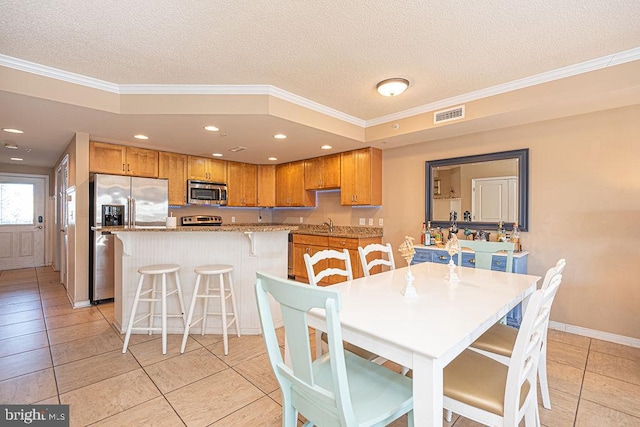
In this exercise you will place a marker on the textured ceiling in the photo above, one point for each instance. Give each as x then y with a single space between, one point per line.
331 52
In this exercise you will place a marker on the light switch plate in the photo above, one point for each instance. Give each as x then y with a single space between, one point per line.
380 222
361 221
301 220
370 221
233 219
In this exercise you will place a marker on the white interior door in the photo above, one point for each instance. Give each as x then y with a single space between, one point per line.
22 221
62 182
494 199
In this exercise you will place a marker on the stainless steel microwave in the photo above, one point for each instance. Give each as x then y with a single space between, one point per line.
206 193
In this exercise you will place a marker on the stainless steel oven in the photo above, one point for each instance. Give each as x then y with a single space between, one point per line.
206 193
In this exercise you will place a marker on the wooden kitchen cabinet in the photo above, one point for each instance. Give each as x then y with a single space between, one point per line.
173 166
290 191
361 177
266 186
206 169
322 173
122 160
242 184
304 243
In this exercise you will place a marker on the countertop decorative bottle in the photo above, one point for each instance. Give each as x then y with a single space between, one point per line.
423 234
515 238
431 233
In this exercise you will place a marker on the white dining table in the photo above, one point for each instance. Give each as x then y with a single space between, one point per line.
427 332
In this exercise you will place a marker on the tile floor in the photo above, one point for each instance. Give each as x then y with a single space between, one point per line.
51 353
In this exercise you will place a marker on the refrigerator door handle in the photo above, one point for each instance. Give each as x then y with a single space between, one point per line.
133 212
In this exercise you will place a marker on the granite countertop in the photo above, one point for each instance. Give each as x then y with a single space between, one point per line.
221 228
339 231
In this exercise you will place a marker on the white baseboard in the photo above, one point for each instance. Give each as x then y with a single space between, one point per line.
592 333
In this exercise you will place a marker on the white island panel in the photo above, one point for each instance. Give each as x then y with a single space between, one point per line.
247 252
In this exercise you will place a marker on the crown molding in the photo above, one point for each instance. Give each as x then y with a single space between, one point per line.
557 74
54 73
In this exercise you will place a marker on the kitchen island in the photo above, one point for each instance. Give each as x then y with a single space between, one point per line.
248 248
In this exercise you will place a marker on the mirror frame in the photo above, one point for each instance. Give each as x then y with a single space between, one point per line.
523 187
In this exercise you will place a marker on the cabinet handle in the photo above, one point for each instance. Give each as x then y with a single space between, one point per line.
307 250
442 257
343 243
472 261
123 167
128 167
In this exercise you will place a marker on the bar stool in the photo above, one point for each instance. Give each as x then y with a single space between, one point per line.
153 295
213 291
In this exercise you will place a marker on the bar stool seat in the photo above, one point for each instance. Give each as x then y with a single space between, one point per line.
213 291
153 295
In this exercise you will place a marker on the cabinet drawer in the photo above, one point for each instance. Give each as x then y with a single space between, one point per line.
442 257
343 243
308 239
421 256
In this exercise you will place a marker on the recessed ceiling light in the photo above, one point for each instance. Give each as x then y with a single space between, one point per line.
217 154
17 159
140 136
392 87
280 136
211 128
10 146
273 159
12 130
326 147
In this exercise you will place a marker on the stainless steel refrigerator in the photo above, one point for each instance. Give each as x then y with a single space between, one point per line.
119 201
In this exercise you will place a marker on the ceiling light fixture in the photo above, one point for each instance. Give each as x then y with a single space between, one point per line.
273 159
217 154
17 159
140 136
280 136
12 130
326 147
211 128
392 87
10 146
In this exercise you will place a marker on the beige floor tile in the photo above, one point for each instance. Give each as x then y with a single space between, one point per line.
276 396
176 372
562 412
263 412
213 398
136 338
22 316
259 372
631 353
24 363
150 352
81 315
207 339
567 354
91 370
593 415
103 399
567 338
29 388
155 412
8 291
564 377
85 347
54 400
23 328
59 310
23 343
75 332
57 292
22 306
613 366
613 393
240 349
56 301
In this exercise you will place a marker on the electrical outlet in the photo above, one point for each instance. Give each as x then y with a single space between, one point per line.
370 221
301 220
361 221
233 219
380 222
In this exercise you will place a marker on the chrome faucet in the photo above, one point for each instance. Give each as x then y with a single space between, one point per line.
329 224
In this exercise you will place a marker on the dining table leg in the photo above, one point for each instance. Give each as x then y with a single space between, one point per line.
427 391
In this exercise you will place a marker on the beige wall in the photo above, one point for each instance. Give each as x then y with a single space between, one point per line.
584 206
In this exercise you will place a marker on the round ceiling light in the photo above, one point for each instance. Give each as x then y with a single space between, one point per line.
211 128
326 147
392 87
280 136
273 159
10 130
140 136
217 154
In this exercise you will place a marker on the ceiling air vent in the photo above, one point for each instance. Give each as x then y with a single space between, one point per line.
238 148
449 114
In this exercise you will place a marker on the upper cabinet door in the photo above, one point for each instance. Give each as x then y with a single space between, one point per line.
266 185
321 173
174 167
242 180
107 158
205 169
361 177
290 189
142 162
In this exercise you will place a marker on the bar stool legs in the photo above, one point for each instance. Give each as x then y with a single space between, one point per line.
152 296
227 319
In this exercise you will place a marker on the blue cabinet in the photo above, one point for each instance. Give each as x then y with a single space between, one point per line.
498 263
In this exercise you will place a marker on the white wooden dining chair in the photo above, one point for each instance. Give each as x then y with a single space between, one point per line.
498 342
384 250
489 392
319 390
338 263
483 253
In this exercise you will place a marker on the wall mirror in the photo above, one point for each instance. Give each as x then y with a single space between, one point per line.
479 190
